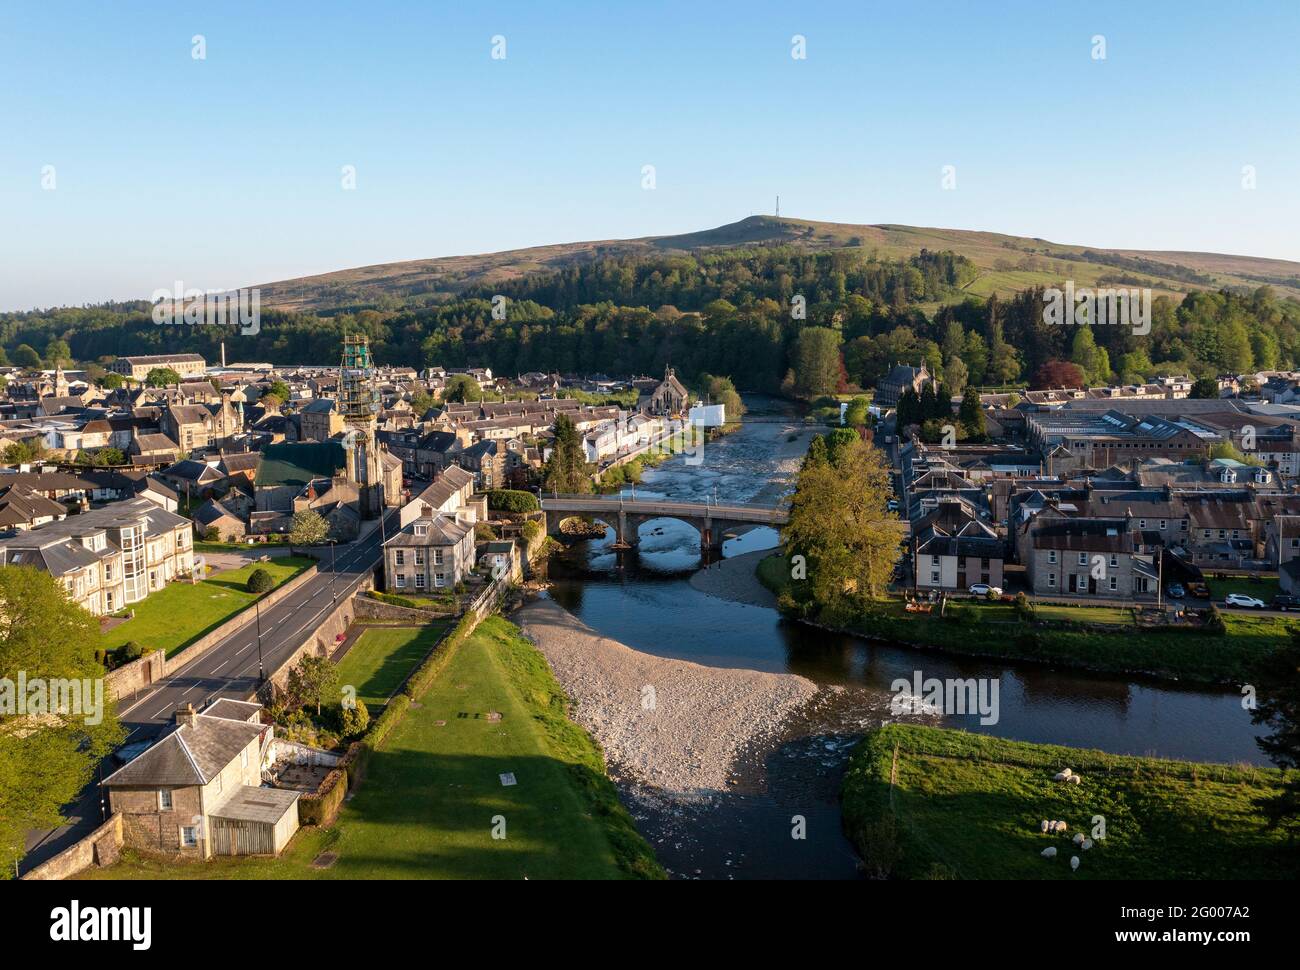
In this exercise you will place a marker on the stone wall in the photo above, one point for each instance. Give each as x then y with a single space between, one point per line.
322 643
129 678
373 609
138 674
99 848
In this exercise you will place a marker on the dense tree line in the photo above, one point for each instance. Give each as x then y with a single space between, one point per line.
728 314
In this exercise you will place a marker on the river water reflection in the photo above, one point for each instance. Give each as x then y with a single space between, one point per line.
644 599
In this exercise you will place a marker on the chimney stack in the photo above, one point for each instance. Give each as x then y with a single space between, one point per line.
185 715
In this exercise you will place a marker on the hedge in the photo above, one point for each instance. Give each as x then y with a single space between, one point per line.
320 807
422 677
394 710
512 500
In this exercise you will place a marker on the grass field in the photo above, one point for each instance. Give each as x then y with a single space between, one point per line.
993 630
381 658
432 795
970 806
181 612
1261 589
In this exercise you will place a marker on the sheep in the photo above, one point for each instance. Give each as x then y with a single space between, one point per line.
1074 863
1074 780
1044 825
1078 838
1086 844
1062 775
1059 827
1049 852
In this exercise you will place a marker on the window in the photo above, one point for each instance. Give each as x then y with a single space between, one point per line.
1162 524
1142 523
439 579
1112 583
189 836
419 557
1051 556
421 530
1083 559
419 580
934 576
1114 560
437 557
1051 580
164 800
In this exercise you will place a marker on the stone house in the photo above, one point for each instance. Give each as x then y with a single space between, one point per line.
1082 556
198 791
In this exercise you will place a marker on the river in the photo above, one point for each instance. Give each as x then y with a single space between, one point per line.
644 599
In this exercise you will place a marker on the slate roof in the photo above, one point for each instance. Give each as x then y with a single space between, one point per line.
450 481
192 754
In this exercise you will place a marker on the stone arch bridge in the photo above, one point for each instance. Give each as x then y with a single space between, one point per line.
626 515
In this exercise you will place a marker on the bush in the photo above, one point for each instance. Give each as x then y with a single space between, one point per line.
512 500
532 530
1024 608
1214 622
353 721
212 534
260 581
131 651
484 532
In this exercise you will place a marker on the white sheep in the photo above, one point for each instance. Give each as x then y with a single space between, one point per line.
1044 825
1061 775
1078 838
1086 844
1049 852
1074 863
1059 827
1074 780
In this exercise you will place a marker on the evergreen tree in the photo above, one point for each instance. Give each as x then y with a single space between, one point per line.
971 415
566 470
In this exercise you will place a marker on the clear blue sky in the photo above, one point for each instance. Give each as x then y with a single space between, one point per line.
226 171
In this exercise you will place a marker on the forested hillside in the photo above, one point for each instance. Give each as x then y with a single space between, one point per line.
734 312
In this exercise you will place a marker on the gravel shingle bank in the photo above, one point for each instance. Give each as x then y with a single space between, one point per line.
672 724
734 579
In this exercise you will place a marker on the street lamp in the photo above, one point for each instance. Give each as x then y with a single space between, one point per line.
334 572
257 610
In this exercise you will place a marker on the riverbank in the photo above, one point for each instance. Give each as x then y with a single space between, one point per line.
929 803
993 631
736 579
671 724
433 803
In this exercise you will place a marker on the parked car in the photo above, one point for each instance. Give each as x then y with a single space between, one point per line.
1241 599
983 589
1286 602
1199 590
1176 590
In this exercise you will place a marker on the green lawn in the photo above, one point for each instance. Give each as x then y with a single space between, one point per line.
181 612
993 630
1262 589
432 795
1110 615
970 806
381 658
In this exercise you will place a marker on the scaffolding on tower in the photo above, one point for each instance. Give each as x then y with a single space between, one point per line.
359 406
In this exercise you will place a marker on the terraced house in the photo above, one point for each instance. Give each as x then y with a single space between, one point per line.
108 558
